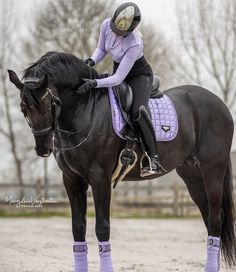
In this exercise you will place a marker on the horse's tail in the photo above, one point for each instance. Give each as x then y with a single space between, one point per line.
228 231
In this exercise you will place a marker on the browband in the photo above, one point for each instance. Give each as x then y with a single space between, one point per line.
32 80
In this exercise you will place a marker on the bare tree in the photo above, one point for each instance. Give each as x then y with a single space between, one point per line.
157 51
7 115
208 37
68 25
73 26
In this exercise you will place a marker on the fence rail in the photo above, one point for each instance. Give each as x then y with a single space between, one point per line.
130 199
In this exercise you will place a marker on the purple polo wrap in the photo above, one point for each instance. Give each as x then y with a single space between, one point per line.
105 257
213 254
80 257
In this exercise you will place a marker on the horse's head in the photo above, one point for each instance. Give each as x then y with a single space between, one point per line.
41 108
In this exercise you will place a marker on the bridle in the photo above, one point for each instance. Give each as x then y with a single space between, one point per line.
55 102
56 109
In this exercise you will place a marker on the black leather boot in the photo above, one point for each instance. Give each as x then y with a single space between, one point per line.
144 123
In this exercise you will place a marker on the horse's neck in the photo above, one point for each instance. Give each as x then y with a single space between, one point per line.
76 110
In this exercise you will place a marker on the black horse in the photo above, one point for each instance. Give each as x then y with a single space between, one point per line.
78 130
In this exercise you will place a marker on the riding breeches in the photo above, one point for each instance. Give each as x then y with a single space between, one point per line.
142 88
140 79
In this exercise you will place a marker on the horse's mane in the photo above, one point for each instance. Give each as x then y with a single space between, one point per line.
64 71
61 68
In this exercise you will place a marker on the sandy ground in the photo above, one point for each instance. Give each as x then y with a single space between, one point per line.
142 245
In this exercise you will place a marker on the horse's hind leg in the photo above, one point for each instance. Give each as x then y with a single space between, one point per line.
220 227
214 181
76 189
206 189
213 174
194 181
192 177
205 184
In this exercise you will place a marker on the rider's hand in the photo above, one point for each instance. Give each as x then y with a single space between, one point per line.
87 86
89 62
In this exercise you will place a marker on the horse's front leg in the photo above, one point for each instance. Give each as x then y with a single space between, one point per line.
101 187
76 189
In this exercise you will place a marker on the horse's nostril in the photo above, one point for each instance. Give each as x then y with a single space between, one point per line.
44 154
48 153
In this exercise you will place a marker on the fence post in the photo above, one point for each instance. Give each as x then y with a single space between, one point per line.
135 190
175 188
182 201
46 183
38 188
150 191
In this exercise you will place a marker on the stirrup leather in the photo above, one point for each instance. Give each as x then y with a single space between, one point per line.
126 163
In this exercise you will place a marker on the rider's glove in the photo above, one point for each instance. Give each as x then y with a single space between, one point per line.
89 62
87 86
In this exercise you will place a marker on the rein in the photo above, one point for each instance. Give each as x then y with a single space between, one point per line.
69 133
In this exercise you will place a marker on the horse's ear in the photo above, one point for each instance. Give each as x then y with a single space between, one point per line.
43 84
15 80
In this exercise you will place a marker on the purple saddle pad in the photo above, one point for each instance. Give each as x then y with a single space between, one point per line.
163 113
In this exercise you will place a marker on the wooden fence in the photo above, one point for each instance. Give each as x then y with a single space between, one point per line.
138 199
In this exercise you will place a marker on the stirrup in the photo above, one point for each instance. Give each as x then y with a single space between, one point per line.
148 171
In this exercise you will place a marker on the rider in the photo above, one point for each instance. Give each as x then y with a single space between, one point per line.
119 37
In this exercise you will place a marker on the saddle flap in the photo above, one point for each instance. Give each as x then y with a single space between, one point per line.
124 96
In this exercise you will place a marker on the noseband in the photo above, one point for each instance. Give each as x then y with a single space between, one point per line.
55 101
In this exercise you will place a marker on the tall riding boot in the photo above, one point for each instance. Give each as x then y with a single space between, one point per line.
148 136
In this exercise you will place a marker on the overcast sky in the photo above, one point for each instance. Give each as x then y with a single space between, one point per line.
160 12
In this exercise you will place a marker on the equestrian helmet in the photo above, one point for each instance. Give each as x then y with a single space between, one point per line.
125 19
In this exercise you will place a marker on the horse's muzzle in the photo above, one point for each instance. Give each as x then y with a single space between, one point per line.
44 154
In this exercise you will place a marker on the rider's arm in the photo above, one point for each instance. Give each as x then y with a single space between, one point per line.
100 52
124 67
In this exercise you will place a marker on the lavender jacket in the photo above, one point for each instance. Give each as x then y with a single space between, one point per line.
124 50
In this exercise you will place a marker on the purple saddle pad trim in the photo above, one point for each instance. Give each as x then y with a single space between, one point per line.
118 121
163 113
